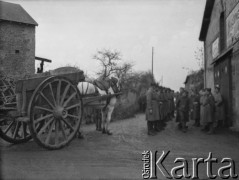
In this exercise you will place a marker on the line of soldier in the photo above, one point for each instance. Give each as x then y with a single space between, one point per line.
205 108
160 107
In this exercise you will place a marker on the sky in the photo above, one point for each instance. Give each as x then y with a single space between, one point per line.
70 32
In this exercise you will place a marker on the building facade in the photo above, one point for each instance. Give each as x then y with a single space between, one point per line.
17 41
220 34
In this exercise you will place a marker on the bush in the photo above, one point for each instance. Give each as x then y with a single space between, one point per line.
123 112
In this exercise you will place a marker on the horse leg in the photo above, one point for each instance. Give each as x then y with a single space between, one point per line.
108 119
99 120
103 119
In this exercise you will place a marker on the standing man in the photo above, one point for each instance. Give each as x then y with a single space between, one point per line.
195 107
152 109
219 110
179 95
209 105
183 110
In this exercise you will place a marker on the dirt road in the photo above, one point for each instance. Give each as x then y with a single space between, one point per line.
100 156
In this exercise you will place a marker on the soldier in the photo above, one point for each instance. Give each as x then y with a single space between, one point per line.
179 94
183 110
219 110
195 107
208 109
164 100
152 110
159 122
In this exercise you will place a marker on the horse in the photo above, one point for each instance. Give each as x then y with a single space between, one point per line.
109 86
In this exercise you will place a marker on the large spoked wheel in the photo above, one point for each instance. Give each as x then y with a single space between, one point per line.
14 131
55 111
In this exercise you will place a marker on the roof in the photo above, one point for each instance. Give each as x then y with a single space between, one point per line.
193 74
15 13
206 19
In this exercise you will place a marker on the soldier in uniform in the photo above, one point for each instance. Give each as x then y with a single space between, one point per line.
179 94
183 110
219 109
164 101
159 123
208 110
195 107
152 110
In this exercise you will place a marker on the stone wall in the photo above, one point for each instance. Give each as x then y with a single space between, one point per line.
17 49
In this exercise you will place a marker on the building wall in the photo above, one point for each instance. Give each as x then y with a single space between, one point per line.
17 49
214 33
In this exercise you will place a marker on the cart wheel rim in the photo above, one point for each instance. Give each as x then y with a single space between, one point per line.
55 111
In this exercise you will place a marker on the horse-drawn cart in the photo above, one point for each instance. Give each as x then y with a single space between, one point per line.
46 108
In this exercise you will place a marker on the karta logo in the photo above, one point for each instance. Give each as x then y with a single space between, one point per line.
152 163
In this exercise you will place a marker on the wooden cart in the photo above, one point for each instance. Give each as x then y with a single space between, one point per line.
47 109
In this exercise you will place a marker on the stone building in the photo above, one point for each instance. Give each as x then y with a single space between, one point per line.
220 34
17 40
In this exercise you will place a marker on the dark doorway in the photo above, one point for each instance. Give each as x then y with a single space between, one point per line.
222 77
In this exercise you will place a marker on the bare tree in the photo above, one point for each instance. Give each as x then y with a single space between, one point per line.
199 56
110 63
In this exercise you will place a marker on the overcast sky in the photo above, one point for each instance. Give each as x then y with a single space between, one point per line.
70 32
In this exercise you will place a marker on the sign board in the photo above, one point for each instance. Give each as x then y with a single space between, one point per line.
215 48
232 23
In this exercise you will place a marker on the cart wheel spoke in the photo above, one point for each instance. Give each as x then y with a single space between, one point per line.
68 124
64 94
52 94
43 118
49 134
58 95
9 127
16 130
44 109
73 116
62 130
69 99
56 132
44 97
45 126
73 106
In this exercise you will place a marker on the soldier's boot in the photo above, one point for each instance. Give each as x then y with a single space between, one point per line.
184 127
151 132
157 126
179 126
103 131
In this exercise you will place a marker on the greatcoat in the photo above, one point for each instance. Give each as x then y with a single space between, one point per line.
219 107
208 105
195 105
152 109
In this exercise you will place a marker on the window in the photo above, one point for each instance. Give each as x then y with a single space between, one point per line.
222 32
17 51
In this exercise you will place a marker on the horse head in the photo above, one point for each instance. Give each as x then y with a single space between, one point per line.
115 83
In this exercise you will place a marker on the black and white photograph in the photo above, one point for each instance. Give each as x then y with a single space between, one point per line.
119 89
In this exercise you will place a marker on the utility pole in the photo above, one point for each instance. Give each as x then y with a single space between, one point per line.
153 61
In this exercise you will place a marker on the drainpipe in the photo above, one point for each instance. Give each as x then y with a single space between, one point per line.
205 65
